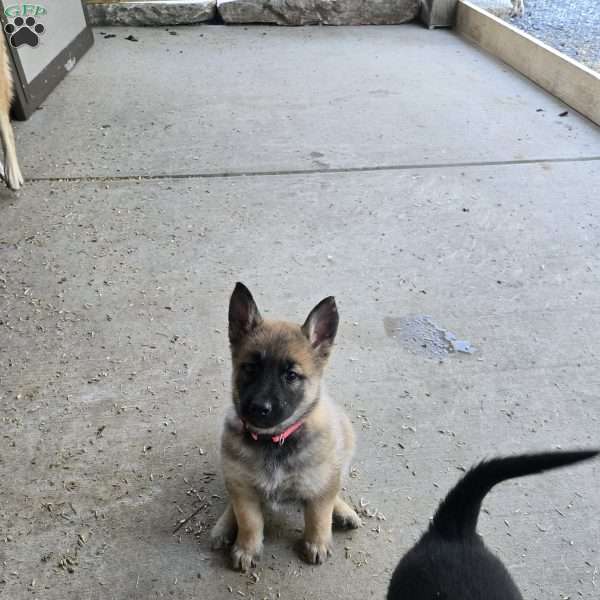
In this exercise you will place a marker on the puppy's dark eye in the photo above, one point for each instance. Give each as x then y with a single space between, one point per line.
248 368
291 376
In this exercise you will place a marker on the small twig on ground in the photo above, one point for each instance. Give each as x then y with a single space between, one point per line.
182 522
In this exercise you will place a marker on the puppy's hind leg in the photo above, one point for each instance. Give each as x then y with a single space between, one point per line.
344 516
223 533
12 171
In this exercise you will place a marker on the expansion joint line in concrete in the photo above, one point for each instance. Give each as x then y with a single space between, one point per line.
319 171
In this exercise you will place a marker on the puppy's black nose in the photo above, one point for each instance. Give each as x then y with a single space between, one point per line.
260 409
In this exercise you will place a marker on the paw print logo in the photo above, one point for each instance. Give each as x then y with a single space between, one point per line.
24 31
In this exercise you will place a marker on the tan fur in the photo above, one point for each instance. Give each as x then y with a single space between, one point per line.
315 471
12 171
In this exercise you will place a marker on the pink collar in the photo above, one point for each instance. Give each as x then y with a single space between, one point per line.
281 437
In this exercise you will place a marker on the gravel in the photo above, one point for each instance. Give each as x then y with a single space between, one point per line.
571 26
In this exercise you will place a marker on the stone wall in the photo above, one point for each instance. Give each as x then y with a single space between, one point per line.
279 12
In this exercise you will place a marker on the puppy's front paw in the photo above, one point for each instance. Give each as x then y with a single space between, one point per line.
315 553
13 176
243 560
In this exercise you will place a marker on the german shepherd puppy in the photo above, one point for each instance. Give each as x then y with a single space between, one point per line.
283 440
11 172
451 561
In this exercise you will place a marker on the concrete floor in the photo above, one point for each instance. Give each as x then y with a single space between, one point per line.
397 168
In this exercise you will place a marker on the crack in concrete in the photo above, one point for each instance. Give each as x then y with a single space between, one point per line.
319 171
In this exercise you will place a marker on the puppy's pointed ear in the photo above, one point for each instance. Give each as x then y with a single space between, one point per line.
243 313
321 326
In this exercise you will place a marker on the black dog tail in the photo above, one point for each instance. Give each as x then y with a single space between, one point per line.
457 515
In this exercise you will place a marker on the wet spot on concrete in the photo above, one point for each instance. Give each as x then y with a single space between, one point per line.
420 335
